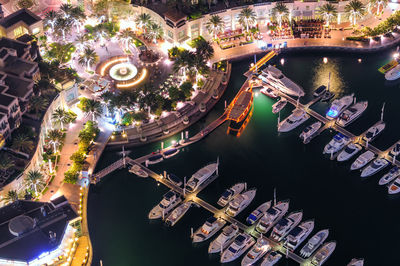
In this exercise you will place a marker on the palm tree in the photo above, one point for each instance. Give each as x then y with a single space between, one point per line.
93 108
22 142
143 20
38 104
81 40
10 197
88 58
34 180
55 137
155 31
204 49
328 11
66 10
355 9
59 117
126 36
50 19
215 25
280 11
247 17
378 4
5 162
62 25
184 61
77 16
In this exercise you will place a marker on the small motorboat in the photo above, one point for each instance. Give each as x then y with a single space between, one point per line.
175 179
271 258
396 149
323 253
278 106
170 152
362 160
230 193
239 246
178 213
258 213
394 187
224 239
374 167
328 95
319 91
338 142
154 159
208 229
137 170
348 152
256 252
269 92
391 175
374 131
356 262
309 131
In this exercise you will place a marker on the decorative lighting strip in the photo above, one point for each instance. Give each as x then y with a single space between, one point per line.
109 63
133 83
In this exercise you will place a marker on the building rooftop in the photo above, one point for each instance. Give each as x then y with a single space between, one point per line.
29 229
6 100
174 15
23 15
17 86
18 46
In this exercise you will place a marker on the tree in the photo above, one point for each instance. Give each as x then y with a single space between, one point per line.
55 137
60 117
378 4
77 16
10 197
22 143
38 104
126 36
34 180
88 58
155 32
66 10
61 52
215 25
143 21
203 48
62 25
184 61
355 9
280 11
5 162
247 17
91 107
50 19
328 11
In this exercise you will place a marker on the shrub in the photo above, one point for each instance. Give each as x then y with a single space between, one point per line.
71 177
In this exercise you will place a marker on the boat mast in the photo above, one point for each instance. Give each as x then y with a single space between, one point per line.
274 196
217 165
383 110
184 186
329 81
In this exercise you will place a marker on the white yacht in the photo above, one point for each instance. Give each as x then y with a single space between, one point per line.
271 258
168 203
394 187
178 213
170 153
391 175
362 160
256 252
336 144
271 216
309 131
284 225
299 234
338 106
351 113
356 262
240 202
275 78
241 243
323 253
396 149
374 131
314 243
278 106
208 229
224 239
297 117
348 152
137 170
393 74
258 213
268 91
200 177
230 193
374 167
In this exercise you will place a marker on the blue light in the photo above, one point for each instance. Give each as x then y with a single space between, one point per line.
332 113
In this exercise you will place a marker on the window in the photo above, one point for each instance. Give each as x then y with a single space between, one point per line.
19 31
170 34
36 30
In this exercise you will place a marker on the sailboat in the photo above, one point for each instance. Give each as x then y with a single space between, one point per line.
328 94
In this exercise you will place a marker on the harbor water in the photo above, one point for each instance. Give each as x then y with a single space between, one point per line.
359 213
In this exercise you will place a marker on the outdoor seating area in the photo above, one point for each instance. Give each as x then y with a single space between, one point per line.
279 33
311 28
96 84
235 38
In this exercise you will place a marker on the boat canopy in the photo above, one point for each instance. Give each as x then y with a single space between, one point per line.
272 211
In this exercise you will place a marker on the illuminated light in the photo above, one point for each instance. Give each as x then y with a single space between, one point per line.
395 55
325 60
134 83
179 105
359 60
332 113
256 94
109 63
282 61
173 142
167 62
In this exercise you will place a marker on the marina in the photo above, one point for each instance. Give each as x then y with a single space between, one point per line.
266 199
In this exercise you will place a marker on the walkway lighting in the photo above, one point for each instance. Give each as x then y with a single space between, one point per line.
396 55
325 60
282 61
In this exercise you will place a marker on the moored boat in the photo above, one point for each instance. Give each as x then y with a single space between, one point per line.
351 113
224 239
314 243
338 106
394 187
137 170
178 213
279 81
309 131
256 252
336 144
348 152
230 193
175 179
391 175
356 262
208 229
374 167
170 152
396 149
323 253
240 202
278 106
241 243
374 131
297 117
393 74
200 177
170 200
283 226
269 92
258 213
328 95
271 216
154 159
271 258
298 234
319 91
362 160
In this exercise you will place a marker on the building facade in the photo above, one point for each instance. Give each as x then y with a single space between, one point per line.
20 23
